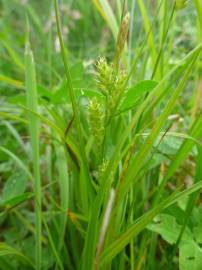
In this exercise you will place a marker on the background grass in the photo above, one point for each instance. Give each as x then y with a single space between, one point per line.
100 164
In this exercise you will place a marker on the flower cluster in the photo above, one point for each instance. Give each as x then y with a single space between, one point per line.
105 76
102 168
110 83
96 120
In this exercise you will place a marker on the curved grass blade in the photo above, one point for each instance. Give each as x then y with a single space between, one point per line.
8 250
111 251
195 132
88 191
18 161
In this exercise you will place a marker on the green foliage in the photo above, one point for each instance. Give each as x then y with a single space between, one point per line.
189 251
135 94
15 185
167 227
190 256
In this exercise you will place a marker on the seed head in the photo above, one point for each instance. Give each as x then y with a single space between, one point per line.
104 76
111 83
122 37
96 121
102 168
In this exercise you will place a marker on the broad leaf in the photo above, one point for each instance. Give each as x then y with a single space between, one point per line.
168 228
133 94
190 256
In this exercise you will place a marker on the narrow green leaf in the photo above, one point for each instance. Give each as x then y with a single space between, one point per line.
75 108
8 250
18 161
32 103
111 251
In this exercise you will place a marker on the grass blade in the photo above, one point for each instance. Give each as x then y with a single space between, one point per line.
140 224
32 103
88 188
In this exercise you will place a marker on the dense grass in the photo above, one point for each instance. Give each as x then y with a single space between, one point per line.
101 131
